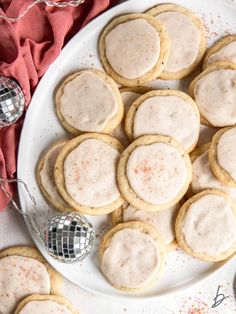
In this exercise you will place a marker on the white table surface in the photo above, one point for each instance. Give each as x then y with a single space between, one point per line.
196 300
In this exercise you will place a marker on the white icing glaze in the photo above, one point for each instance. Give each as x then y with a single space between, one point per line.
88 102
226 152
215 95
185 39
90 173
203 178
167 115
209 225
20 277
131 259
226 53
133 48
156 172
163 220
128 98
45 307
47 173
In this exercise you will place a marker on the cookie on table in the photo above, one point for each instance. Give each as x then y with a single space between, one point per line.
45 177
24 271
39 304
203 177
132 256
223 50
222 155
154 172
128 96
163 220
214 91
89 101
205 226
134 49
85 173
166 112
187 36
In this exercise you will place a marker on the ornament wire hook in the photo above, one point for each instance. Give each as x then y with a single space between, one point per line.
35 227
62 230
51 3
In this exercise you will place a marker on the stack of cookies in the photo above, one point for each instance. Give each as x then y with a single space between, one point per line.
131 152
29 284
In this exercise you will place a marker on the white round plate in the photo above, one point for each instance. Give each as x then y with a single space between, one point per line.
42 128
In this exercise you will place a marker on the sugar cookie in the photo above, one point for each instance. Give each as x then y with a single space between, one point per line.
132 255
154 172
187 36
24 271
89 101
222 155
205 226
134 49
85 173
214 91
165 112
223 50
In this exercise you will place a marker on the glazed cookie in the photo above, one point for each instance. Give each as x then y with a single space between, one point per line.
128 96
154 172
166 112
187 36
214 91
39 304
24 271
134 49
132 255
85 173
45 177
222 155
163 220
223 50
194 226
89 101
203 177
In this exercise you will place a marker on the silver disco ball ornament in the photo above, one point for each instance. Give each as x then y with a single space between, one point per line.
69 237
12 101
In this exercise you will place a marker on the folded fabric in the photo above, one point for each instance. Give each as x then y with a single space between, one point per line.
27 48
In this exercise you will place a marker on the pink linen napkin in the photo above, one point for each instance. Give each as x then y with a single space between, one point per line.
27 48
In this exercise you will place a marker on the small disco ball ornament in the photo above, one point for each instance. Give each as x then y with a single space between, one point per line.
12 101
69 237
